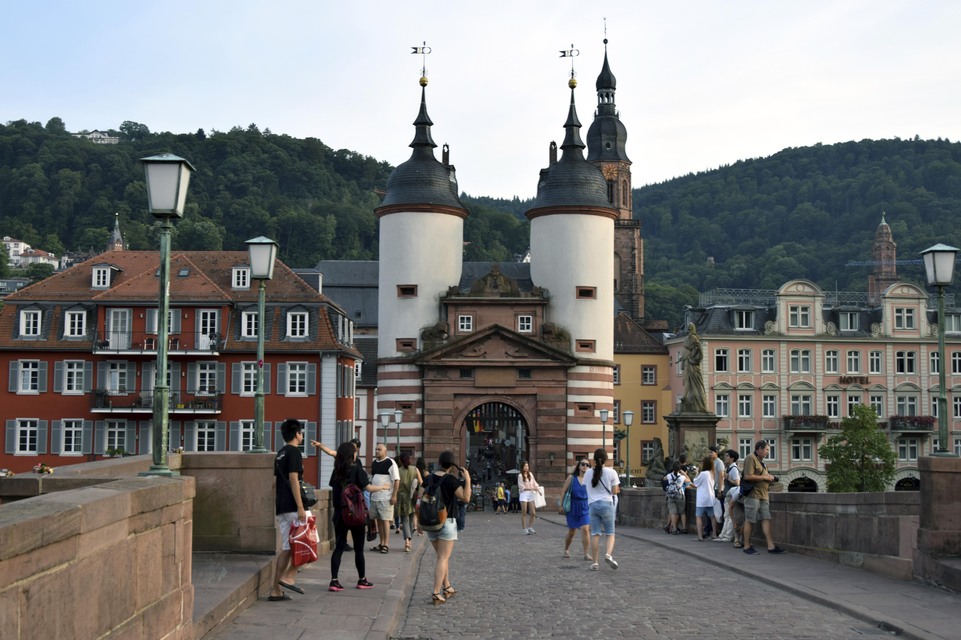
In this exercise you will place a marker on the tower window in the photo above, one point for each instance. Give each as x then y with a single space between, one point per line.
407 291
587 293
586 346
406 344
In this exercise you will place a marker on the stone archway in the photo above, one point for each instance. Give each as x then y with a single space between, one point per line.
496 440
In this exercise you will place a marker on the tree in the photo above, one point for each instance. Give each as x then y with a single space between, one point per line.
860 458
37 271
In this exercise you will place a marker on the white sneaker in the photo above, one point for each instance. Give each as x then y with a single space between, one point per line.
531 530
527 532
611 562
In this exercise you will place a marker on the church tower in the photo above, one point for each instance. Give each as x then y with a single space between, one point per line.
606 144
115 243
884 260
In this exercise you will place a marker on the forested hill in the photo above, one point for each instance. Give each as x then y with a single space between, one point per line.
59 192
801 213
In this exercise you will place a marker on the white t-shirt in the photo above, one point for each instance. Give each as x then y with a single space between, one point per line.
608 479
385 478
705 489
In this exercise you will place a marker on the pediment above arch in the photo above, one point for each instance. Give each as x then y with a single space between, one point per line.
495 345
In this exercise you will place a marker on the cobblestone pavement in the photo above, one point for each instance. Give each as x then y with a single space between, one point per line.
511 585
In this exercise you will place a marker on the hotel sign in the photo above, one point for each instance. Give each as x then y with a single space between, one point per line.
854 380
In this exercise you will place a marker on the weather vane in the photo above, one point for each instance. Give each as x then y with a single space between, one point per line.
423 51
571 53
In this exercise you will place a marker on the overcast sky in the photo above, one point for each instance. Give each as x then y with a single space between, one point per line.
699 83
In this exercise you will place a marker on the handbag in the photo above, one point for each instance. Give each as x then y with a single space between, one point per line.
308 495
539 500
566 499
303 542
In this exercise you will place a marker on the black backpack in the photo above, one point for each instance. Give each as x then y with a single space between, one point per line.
432 512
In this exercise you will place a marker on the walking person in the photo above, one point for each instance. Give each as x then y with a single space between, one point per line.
347 472
422 472
602 485
527 486
578 517
410 480
704 482
454 484
383 470
288 472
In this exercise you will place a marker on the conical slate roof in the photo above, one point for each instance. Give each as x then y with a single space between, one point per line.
422 179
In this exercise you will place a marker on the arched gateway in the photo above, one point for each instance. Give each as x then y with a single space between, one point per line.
496 437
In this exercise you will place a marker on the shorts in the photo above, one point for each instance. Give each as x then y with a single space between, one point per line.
675 506
602 517
286 521
381 510
447 532
526 496
737 513
756 509
704 512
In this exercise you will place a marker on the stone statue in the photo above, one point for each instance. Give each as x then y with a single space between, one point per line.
694 397
655 466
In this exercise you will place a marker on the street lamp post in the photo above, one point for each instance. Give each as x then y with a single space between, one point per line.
167 178
604 413
385 423
263 253
939 268
628 421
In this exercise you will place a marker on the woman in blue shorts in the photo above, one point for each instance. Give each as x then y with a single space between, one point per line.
454 485
602 485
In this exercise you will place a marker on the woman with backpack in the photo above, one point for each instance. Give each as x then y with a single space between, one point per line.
449 483
410 479
347 472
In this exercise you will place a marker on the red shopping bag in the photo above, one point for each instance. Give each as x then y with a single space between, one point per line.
303 542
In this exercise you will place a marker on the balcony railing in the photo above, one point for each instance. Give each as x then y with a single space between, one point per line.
806 423
913 423
108 401
134 342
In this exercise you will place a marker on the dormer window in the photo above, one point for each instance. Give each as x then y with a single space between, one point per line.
848 320
101 277
743 320
241 277
30 323
297 324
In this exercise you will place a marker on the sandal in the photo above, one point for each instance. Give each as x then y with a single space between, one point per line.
738 545
567 553
449 591
594 567
384 548
377 547
407 547
436 598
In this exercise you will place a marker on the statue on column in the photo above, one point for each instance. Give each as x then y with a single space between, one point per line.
694 397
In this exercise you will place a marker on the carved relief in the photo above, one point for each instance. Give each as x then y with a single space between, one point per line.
770 328
875 330
831 328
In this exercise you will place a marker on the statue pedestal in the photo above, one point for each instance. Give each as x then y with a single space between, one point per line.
691 433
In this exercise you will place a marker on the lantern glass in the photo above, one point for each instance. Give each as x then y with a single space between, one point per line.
603 415
167 179
263 254
939 264
628 418
385 419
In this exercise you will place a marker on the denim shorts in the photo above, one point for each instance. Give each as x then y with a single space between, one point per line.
602 517
704 512
447 532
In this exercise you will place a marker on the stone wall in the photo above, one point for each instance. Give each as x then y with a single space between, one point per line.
110 560
876 531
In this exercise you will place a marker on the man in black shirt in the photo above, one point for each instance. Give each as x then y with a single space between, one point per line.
288 472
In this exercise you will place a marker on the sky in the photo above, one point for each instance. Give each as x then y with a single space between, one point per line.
700 83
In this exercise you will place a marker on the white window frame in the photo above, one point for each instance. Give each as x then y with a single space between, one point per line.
802 449
101 277
648 412
832 360
799 316
297 324
73 377
800 361
906 405
71 429
768 361
249 324
875 362
769 405
648 374
905 362
955 362
745 405
617 374
956 406
296 379
745 447
876 401
745 360
28 436
465 323
240 277
28 377
801 404
848 321
952 323
832 405
854 400
908 449
205 435
206 378
853 361
743 320
75 324
772 449
525 324
722 362
904 318
722 404
246 435
115 435
248 379
30 321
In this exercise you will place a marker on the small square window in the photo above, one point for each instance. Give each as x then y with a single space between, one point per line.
525 324
524 374
407 291
466 374
586 293
406 344
297 324
465 324
585 346
241 277
30 323
648 374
